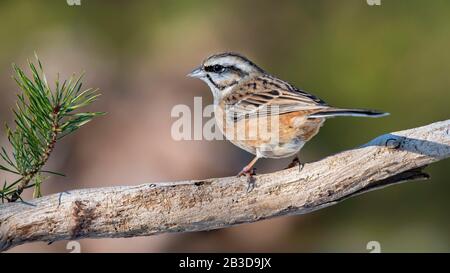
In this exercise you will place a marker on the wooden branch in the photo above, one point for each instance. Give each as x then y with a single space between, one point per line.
221 202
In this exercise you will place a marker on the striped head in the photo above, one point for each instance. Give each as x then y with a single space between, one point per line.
224 71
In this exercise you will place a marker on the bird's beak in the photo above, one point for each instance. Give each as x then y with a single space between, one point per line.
197 73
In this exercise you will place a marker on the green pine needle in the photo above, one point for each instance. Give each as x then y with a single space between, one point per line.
41 118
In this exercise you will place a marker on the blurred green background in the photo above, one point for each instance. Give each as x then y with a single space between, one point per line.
394 57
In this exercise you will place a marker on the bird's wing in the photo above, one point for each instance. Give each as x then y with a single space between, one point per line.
265 95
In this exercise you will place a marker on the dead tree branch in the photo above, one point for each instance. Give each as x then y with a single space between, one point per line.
214 203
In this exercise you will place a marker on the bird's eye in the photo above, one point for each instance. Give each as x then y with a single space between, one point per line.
218 68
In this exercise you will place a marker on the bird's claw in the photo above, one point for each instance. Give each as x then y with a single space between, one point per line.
249 173
296 162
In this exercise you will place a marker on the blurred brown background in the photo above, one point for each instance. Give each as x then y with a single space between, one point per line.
392 57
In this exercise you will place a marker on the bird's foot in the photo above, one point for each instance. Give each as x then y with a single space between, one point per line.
296 162
249 173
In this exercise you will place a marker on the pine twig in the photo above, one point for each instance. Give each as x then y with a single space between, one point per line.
42 117
47 151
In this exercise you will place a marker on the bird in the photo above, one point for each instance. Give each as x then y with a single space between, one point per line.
247 98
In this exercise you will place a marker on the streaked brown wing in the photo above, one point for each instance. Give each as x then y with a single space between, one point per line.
265 95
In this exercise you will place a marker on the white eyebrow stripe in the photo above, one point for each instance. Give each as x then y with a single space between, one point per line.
234 61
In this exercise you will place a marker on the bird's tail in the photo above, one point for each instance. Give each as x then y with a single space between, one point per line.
336 112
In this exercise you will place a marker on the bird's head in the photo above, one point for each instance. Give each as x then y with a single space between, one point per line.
224 71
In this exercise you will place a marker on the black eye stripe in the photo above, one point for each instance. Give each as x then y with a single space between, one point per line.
220 69
217 68
237 70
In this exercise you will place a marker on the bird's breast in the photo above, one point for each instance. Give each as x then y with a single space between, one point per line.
269 136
